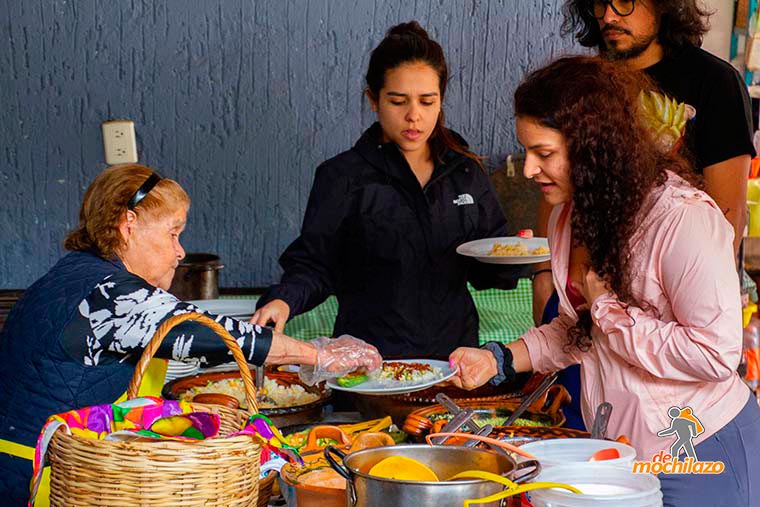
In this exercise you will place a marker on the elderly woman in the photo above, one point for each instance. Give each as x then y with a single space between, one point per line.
643 263
74 337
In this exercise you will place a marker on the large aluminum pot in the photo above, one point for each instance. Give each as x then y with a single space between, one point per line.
364 490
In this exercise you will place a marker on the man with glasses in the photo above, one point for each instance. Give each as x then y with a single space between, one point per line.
663 38
710 107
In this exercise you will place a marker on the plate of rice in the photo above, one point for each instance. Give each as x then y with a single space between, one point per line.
399 377
507 250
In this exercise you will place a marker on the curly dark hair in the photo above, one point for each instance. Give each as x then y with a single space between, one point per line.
682 22
613 158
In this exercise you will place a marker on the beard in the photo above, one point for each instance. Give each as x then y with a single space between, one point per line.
640 44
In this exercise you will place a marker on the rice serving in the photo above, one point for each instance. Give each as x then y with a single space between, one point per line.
395 372
291 396
516 250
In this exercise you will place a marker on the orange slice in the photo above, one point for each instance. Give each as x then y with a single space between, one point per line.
403 469
605 454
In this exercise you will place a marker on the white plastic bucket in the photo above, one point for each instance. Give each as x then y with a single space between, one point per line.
602 486
560 451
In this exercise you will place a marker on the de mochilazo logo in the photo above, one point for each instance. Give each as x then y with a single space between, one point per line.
685 426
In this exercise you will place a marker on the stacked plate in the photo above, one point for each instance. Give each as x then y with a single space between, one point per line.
224 367
241 309
178 369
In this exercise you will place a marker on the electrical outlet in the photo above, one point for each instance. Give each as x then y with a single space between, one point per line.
510 167
119 142
514 163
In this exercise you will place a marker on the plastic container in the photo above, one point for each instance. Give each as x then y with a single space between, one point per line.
753 190
749 368
602 484
753 225
561 451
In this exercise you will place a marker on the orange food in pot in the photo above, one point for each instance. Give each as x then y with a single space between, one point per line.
323 477
403 469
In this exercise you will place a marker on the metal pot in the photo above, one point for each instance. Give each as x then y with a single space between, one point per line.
197 277
446 461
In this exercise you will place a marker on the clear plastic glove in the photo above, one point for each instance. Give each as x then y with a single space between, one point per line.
340 356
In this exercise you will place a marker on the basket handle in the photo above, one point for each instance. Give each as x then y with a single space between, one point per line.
163 330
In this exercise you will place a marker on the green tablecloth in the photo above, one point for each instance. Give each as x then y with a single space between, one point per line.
504 315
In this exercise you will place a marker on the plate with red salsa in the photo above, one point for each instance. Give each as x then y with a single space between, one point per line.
396 377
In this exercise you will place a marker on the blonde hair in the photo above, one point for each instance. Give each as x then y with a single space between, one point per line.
105 203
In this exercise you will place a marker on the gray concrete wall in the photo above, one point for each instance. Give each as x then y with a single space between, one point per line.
238 100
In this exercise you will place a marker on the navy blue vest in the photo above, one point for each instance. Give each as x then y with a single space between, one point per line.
37 377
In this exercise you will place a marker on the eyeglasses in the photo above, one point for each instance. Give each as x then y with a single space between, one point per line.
144 189
619 7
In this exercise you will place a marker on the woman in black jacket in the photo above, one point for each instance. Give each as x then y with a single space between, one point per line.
384 218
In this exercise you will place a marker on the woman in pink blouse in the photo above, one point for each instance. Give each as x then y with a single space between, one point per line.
643 263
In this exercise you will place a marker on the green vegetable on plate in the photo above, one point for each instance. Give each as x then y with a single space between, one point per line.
352 379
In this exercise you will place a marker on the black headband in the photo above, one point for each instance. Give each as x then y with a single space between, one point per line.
146 187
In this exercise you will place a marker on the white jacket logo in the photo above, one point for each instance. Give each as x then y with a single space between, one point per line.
464 199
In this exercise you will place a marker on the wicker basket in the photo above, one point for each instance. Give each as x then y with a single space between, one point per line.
216 472
265 489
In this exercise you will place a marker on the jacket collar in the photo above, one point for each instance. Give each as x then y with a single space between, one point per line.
387 158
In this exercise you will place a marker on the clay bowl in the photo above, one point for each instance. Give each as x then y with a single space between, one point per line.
305 486
546 410
518 435
280 416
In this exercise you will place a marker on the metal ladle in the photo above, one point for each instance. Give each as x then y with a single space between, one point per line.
260 396
602 417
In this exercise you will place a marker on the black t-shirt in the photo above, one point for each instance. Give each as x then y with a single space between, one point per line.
722 127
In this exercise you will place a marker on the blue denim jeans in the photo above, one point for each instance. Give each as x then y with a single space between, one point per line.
737 445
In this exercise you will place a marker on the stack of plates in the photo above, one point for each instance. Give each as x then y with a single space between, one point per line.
241 309
224 367
178 369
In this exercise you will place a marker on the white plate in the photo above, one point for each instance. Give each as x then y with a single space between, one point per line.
372 386
480 247
241 309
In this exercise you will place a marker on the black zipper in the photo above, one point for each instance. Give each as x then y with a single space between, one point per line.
452 166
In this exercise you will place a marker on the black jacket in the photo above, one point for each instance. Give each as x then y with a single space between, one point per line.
386 248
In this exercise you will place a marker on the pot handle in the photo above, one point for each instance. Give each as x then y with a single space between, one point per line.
341 469
325 431
202 267
487 440
511 487
530 475
553 400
